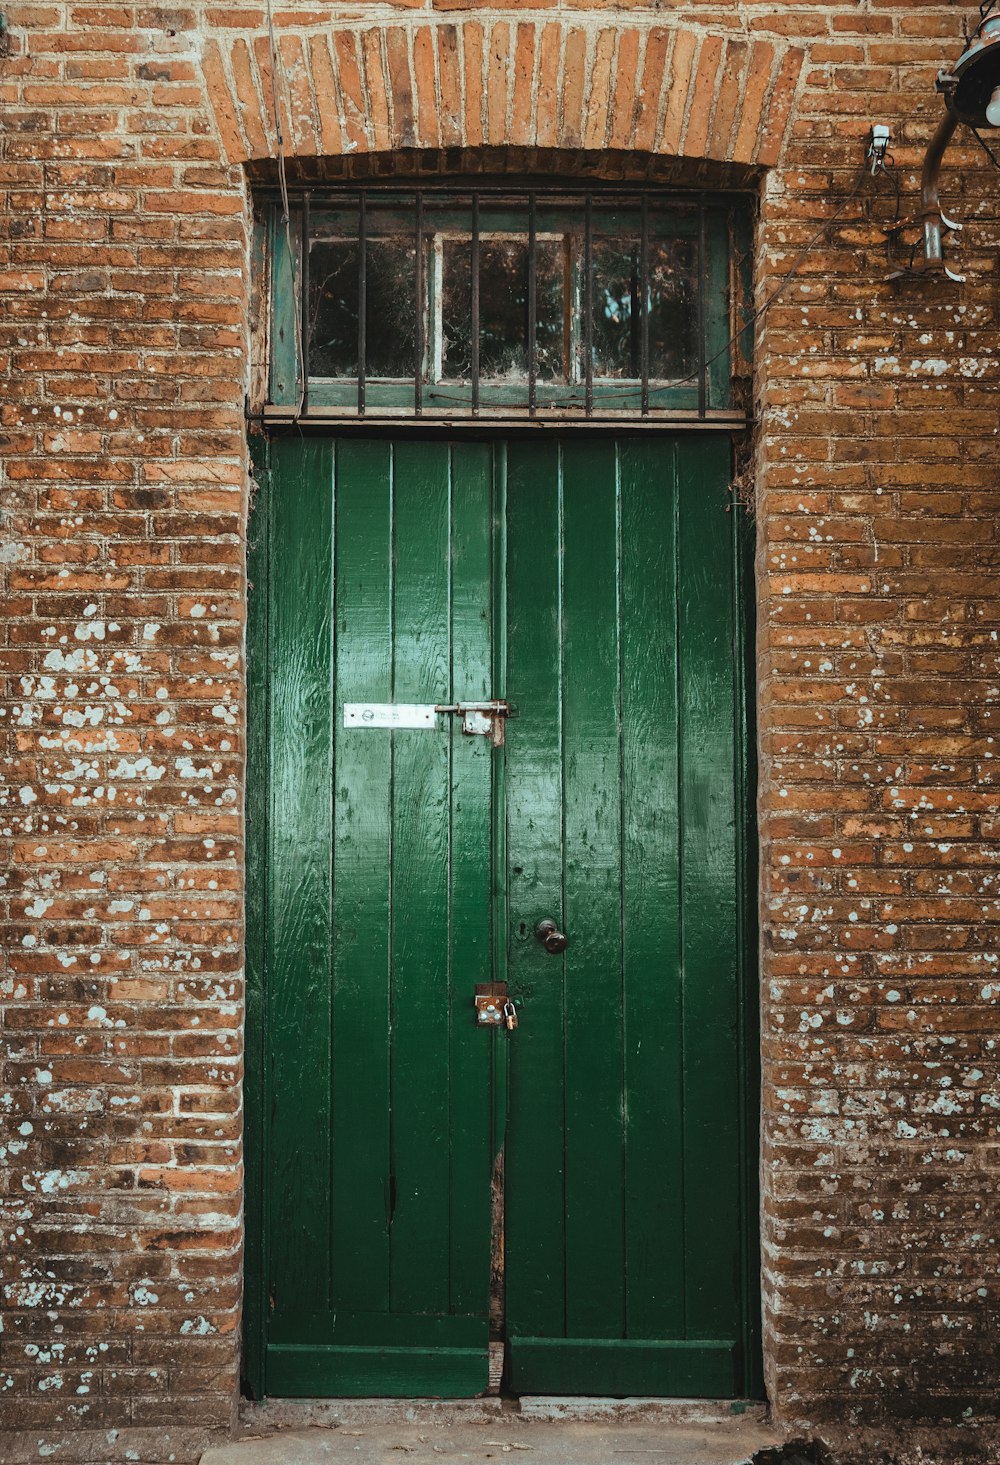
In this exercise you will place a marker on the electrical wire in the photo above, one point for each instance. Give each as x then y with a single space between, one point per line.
985 146
286 213
786 279
761 310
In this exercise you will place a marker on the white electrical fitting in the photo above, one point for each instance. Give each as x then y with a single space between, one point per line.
878 146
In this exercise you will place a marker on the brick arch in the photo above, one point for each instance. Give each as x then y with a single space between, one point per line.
681 91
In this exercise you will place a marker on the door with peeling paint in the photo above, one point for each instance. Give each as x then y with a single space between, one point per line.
594 585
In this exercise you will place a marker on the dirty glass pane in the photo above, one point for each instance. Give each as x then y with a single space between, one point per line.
390 317
612 308
456 309
503 308
333 308
672 305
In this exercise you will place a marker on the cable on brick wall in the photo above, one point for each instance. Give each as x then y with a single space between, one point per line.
286 217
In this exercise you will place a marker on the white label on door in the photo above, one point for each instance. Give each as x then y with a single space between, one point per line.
389 714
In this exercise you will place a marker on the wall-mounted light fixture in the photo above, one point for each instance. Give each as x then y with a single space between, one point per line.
971 90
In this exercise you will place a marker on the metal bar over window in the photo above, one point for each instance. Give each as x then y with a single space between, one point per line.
644 304
702 347
304 329
515 298
362 297
588 305
418 368
475 304
532 303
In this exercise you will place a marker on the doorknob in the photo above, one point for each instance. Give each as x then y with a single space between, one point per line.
551 937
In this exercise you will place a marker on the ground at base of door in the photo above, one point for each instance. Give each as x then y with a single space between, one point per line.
537 1432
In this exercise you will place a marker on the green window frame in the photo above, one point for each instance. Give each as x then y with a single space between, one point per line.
362 282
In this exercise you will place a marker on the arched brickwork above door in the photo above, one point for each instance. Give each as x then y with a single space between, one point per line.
681 91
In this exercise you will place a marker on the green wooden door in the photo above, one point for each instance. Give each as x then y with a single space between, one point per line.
625 1163
593 584
377 1085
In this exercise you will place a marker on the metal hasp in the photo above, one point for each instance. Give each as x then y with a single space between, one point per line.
494 1009
481 719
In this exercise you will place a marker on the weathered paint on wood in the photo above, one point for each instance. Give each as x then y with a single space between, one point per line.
592 584
380 903
625 1176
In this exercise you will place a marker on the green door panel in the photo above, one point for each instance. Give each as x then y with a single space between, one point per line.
593 582
625 1366
624 1164
379 1150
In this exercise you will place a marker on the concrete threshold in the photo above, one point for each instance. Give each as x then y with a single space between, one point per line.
535 1431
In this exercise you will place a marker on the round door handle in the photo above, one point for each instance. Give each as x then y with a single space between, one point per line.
551 937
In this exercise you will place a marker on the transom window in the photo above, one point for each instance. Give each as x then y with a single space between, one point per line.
439 303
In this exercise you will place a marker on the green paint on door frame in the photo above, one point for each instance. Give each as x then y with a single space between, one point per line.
254 1097
255 1083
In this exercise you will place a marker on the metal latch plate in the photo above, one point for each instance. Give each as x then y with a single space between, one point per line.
390 714
490 1000
479 719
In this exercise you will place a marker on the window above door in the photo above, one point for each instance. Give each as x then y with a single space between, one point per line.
444 304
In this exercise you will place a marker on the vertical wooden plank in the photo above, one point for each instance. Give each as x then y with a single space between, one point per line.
285 384
535 1227
470 866
299 888
721 318
744 545
708 890
650 858
362 853
420 1013
595 1201
499 907
257 777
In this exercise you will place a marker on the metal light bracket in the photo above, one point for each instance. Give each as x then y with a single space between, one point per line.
968 89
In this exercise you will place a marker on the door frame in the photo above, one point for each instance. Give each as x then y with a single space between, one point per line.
255 1259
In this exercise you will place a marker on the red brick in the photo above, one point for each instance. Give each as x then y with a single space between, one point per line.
451 85
626 111
681 61
329 105
348 68
472 45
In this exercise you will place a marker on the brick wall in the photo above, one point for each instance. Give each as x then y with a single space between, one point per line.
124 500
878 498
125 319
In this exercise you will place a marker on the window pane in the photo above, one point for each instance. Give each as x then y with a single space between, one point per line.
333 308
503 309
672 306
456 309
551 324
611 314
390 317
